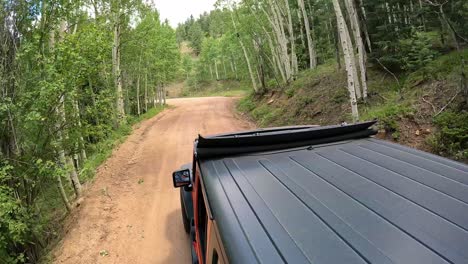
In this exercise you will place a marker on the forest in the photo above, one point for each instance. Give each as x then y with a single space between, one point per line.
331 61
75 76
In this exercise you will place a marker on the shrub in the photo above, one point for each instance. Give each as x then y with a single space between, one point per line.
417 51
388 117
452 135
246 104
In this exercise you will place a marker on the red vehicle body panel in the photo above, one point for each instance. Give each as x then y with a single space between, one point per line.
195 194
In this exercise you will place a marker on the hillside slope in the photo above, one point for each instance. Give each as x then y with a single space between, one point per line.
424 109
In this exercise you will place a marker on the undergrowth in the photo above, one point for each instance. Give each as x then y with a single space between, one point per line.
451 139
50 204
228 88
102 150
406 107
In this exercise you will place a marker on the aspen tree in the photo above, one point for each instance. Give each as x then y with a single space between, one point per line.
65 160
352 12
246 56
116 49
310 43
348 54
146 91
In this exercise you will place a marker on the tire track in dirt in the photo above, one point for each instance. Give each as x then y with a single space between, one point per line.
131 212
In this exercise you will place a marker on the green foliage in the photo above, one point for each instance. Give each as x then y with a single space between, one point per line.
228 88
417 51
103 149
388 116
451 139
446 66
246 104
13 218
195 35
265 115
59 96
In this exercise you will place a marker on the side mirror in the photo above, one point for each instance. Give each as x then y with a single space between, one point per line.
182 178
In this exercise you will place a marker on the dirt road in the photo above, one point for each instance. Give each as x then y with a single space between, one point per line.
131 213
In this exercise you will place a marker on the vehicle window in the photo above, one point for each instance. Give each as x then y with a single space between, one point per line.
202 222
215 257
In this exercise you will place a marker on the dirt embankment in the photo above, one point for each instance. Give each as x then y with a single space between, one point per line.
131 213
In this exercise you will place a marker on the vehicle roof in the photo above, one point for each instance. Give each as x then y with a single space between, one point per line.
355 201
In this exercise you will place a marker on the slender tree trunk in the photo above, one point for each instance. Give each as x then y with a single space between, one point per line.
65 161
282 43
63 194
344 36
276 60
216 69
301 26
83 155
138 95
235 67
74 177
120 107
354 69
423 20
337 49
146 92
156 95
211 72
246 56
364 25
310 44
352 12
224 67
292 43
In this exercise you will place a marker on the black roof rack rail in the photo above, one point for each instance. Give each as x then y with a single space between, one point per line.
278 138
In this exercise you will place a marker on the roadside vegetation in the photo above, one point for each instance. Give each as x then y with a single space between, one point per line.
426 115
73 82
228 88
331 61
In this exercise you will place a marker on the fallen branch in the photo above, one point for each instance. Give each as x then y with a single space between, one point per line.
449 102
433 107
391 73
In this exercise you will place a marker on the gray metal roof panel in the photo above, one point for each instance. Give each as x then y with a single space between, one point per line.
362 201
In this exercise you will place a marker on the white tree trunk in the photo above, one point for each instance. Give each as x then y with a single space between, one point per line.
224 67
294 64
146 92
276 61
353 64
120 107
138 95
82 142
63 194
64 160
235 68
211 72
282 43
246 56
310 43
352 12
348 54
216 69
